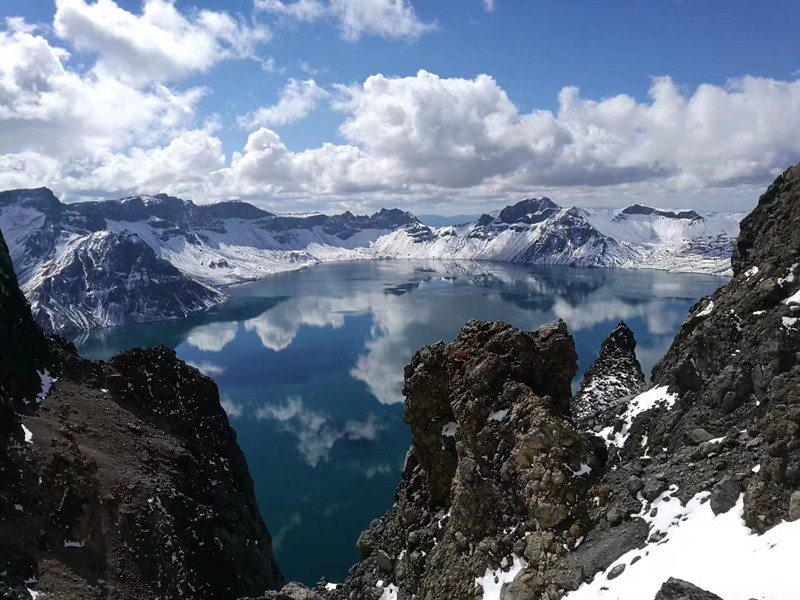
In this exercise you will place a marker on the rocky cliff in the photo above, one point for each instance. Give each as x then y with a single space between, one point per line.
512 490
119 479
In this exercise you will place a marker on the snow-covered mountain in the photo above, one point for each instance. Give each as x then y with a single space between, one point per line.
143 258
538 231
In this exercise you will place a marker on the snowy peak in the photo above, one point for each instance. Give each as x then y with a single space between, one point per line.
347 224
234 210
41 199
534 210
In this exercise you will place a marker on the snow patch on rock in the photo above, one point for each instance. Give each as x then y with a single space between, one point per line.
493 580
657 396
717 553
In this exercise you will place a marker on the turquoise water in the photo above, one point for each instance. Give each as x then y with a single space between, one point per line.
310 369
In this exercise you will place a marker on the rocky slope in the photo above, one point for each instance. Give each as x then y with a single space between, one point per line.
108 279
171 256
119 479
507 495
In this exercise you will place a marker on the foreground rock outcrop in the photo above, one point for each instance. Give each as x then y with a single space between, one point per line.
614 375
120 479
508 494
493 458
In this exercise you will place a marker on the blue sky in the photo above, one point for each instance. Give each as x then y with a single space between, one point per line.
682 103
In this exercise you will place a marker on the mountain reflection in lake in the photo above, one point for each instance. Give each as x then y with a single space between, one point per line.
310 370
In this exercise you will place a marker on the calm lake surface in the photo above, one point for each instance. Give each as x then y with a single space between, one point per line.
310 370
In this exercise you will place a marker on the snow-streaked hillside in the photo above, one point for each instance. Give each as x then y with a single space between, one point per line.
210 246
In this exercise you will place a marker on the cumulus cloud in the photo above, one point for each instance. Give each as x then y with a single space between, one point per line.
317 432
194 154
158 45
43 104
394 19
297 99
19 25
457 133
391 19
405 139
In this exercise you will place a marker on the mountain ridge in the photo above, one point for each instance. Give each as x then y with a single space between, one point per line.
210 246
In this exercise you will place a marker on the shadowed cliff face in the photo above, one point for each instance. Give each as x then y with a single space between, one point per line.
126 481
22 349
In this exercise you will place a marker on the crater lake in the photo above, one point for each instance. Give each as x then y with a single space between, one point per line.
310 363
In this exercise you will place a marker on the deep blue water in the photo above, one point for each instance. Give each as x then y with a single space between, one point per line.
310 369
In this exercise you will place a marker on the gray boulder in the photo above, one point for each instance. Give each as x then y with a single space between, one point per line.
677 589
724 495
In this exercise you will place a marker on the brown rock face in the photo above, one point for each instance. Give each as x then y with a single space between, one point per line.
493 457
130 484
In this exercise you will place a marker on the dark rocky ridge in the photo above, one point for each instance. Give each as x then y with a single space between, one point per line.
130 483
614 375
640 209
734 362
24 355
179 217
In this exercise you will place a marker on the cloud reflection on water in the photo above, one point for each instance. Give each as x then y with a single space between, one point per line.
401 323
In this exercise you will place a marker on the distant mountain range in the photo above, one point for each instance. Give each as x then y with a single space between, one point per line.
145 258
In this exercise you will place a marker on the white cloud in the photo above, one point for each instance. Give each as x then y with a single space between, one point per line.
267 166
391 19
489 5
297 99
19 25
406 139
44 105
194 154
233 409
300 10
207 368
294 521
158 45
316 432
458 133
382 469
